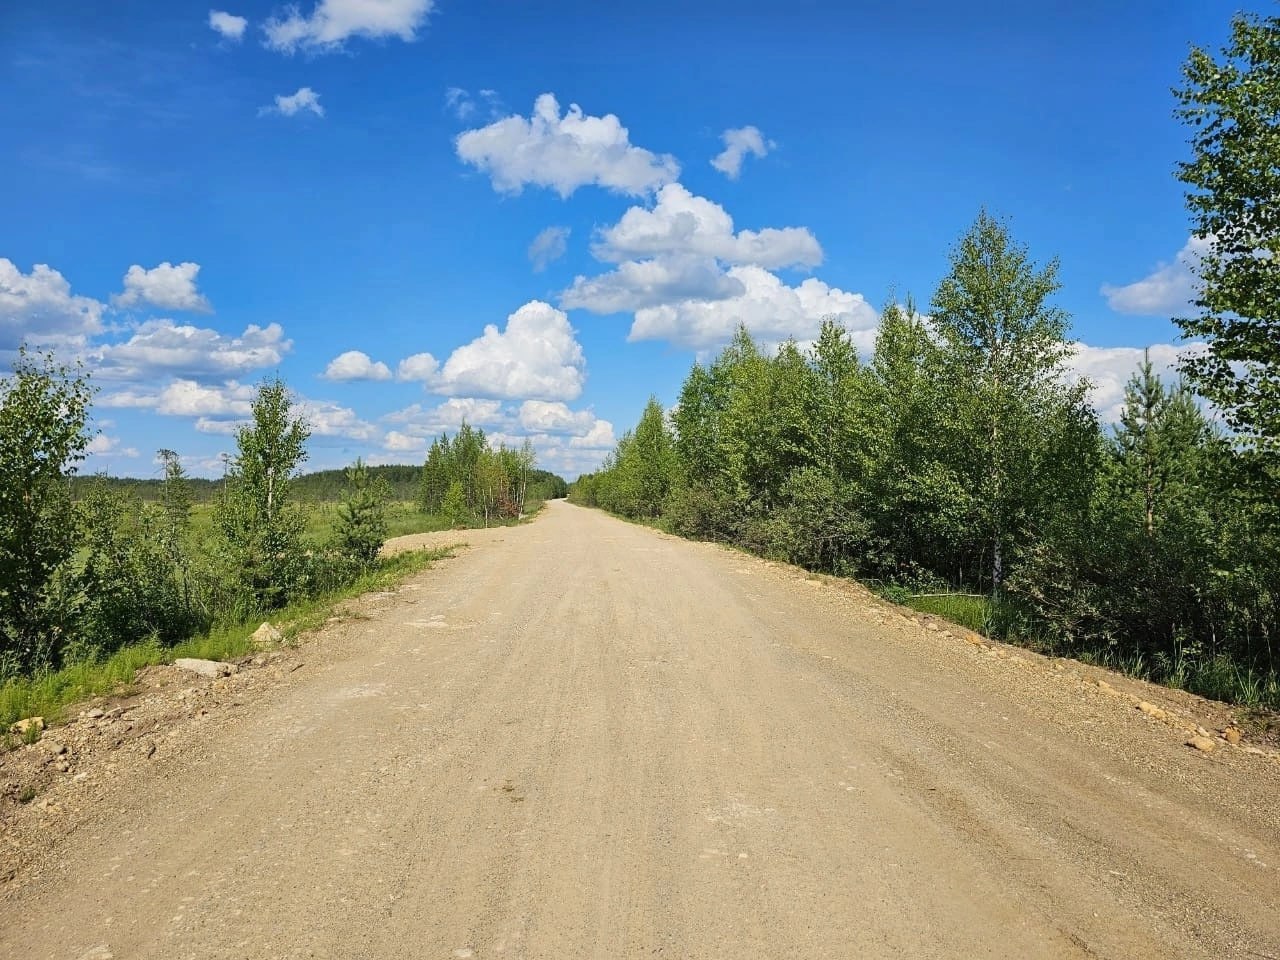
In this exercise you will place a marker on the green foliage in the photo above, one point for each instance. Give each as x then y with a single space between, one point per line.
101 577
48 693
493 484
454 505
1008 404
134 582
963 460
1232 105
362 519
968 610
261 527
44 410
640 480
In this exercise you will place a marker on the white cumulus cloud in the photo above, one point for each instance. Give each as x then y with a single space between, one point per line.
770 309
598 437
105 446
676 251
1170 288
161 347
1108 369
332 22
419 425
188 398
228 25
40 308
288 106
535 357
140 398
558 433
222 427
328 419
450 414
168 286
738 143
547 247
563 152
399 442
637 284
682 222
542 416
421 367
355 365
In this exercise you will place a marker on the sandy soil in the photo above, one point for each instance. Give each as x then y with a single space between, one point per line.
582 738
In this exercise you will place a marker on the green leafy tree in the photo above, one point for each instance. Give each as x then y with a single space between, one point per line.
361 528
1232 105
833 434
1005 351
453 506
256 517
436 474
44 410
652 456
915 499
130 586
491 484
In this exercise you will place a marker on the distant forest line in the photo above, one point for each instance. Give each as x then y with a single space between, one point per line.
404 481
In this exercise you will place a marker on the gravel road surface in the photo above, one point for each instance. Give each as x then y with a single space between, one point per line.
585 739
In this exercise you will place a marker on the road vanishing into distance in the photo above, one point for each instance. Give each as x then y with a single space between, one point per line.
581 738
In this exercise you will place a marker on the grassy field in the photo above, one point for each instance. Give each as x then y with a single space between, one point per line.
403 518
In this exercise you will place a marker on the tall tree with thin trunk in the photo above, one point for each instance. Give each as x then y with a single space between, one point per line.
1005 348
255 514
1232 104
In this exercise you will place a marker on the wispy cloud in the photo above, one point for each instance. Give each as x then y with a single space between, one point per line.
547 247
227 25
332 22
305 99
738 144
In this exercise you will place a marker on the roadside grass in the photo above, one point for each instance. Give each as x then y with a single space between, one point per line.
970 611
49 694
1215 678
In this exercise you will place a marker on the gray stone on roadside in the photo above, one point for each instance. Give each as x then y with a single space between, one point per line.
205 668
95 714
266 636
54 747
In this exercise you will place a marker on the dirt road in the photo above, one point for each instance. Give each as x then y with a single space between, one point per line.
582 739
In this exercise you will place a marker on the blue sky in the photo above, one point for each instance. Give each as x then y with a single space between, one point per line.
396 206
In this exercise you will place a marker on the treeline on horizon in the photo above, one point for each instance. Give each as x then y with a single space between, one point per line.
964 457
404 482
